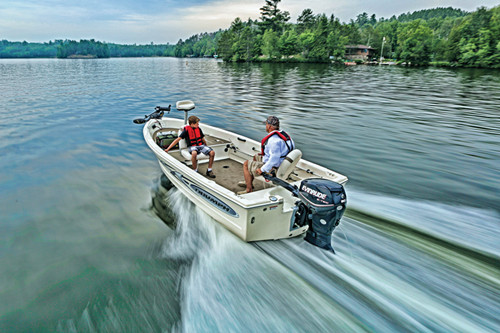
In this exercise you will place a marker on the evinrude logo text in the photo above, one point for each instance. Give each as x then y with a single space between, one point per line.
315 193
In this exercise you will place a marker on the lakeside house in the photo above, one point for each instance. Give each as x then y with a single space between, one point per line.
359 52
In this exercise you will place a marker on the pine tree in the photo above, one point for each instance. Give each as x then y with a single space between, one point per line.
272 17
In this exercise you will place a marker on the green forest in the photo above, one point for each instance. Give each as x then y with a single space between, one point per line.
82 49
28 50
439 36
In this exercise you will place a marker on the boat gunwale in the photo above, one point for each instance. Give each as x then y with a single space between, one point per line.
214 187
211 185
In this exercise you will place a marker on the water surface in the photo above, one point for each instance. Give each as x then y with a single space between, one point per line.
83 249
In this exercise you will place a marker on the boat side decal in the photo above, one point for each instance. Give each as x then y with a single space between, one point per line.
222 206
207 196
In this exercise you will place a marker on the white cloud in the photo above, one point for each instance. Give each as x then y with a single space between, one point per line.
214 16
183 23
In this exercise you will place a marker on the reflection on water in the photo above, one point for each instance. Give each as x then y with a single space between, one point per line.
82 249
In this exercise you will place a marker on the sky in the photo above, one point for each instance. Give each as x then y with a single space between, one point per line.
167 21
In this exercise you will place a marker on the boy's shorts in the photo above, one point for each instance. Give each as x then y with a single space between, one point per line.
200 149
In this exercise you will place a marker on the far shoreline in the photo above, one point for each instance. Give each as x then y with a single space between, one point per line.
436 64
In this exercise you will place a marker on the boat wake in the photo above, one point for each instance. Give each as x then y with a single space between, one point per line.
229 286
470 228
390 273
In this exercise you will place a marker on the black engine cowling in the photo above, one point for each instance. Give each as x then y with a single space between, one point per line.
322 205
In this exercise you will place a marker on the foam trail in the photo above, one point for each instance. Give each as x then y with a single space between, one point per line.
230 286
380 280
476 228
393 278
391 286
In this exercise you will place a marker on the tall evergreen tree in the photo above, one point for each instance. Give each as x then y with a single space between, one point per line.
320 51
272 17
306 20
362 19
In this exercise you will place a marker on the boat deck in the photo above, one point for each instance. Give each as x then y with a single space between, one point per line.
228 173
227 168
231 151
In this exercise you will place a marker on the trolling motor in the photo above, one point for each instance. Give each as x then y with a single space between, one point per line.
321 206
157 114
185 106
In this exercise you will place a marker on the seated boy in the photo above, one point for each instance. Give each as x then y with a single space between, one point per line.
195 140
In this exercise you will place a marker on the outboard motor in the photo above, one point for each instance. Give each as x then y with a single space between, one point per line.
321 206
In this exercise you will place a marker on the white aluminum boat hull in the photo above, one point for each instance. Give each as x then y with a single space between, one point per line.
260 215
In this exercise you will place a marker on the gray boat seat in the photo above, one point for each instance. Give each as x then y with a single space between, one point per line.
285 169
185 151
289 164
186 105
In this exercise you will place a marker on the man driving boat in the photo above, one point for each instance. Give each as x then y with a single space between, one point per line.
195 140
274 148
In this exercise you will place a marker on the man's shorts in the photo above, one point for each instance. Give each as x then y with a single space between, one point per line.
200 149
255 164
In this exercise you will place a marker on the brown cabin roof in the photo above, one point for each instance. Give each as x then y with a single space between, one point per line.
359 46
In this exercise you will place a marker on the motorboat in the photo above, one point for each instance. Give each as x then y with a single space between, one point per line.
300 198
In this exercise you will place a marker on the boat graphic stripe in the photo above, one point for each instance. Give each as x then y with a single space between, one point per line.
207 196
214 201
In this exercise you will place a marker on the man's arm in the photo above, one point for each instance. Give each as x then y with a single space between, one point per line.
274 156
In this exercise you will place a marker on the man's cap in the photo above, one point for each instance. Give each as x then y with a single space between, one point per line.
273 121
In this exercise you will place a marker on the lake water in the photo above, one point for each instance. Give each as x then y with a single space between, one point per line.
83 245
